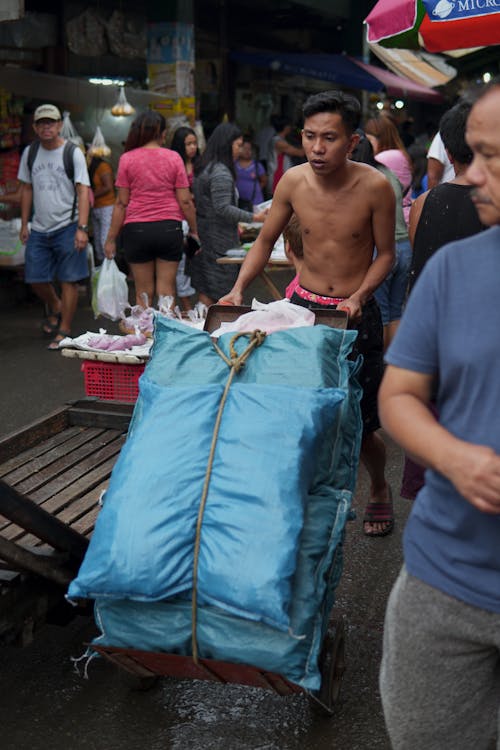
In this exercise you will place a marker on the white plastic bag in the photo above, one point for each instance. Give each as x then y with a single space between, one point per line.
111 291
122 107
269 317
98 147
69 133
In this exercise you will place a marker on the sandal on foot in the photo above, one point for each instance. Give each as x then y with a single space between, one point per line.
49 327
380 512
54 344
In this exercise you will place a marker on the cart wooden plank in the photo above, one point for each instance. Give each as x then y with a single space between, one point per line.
37 450
32 473
73 491
73 512
58 463
85 524
34 433
89 461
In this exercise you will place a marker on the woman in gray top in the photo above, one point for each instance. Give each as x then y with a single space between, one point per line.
217 214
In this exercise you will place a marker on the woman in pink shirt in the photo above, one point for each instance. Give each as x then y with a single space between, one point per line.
389 150
153 198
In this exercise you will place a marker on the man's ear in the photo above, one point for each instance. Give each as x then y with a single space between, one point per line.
354 140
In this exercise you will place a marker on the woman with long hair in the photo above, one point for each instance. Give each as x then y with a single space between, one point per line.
218 213
153 198
389 150
185 142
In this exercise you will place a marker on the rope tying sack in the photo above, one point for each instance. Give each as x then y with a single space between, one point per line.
235 362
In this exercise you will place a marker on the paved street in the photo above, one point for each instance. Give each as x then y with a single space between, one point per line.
46 705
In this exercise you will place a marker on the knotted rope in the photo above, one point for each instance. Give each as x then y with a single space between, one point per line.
235 362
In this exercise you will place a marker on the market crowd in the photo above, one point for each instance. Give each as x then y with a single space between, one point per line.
404 250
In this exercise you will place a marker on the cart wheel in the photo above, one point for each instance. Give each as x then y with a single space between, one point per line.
332 667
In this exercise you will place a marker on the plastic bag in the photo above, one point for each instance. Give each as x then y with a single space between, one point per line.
111 291
270 317
122 107
98 147
69 133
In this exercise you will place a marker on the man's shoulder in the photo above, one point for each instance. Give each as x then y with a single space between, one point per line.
460 255
367 177
296 176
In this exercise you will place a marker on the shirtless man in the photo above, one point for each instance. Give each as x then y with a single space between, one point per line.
345 209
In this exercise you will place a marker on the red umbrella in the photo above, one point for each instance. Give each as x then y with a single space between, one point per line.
438 25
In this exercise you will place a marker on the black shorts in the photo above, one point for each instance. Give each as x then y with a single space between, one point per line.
144 241
369 343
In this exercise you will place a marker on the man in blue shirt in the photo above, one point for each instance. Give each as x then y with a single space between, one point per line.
440 675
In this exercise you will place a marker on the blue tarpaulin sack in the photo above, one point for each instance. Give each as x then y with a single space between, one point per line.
143 544
167 626
315 357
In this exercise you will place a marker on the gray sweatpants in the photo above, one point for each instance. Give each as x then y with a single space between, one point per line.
440 673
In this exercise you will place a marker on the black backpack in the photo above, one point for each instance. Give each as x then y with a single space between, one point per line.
69 166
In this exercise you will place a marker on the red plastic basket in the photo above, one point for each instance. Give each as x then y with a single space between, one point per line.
112 381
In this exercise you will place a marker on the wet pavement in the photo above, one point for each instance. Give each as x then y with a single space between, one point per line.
45 704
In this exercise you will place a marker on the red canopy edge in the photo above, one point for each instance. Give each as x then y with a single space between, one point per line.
400 86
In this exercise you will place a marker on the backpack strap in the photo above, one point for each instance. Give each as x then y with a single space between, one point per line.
69 168
33 151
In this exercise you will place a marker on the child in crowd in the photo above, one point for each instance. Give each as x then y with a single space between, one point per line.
292 234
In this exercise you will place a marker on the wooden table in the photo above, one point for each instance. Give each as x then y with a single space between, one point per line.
281 264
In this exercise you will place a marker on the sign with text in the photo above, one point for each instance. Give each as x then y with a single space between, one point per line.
445 10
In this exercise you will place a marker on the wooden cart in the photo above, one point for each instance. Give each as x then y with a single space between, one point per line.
52 473
146 666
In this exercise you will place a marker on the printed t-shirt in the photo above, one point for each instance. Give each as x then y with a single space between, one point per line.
448 543
53 191
152 175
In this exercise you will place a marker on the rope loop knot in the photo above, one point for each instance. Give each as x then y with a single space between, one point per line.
236 361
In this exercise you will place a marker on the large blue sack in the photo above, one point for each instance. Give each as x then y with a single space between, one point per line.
143 544
316 357
167 626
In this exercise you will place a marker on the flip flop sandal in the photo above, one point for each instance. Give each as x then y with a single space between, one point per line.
380 512
49 328
54 344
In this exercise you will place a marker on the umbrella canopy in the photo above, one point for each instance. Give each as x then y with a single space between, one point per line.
438 25
339 69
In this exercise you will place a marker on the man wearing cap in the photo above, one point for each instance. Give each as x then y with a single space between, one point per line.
56 245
